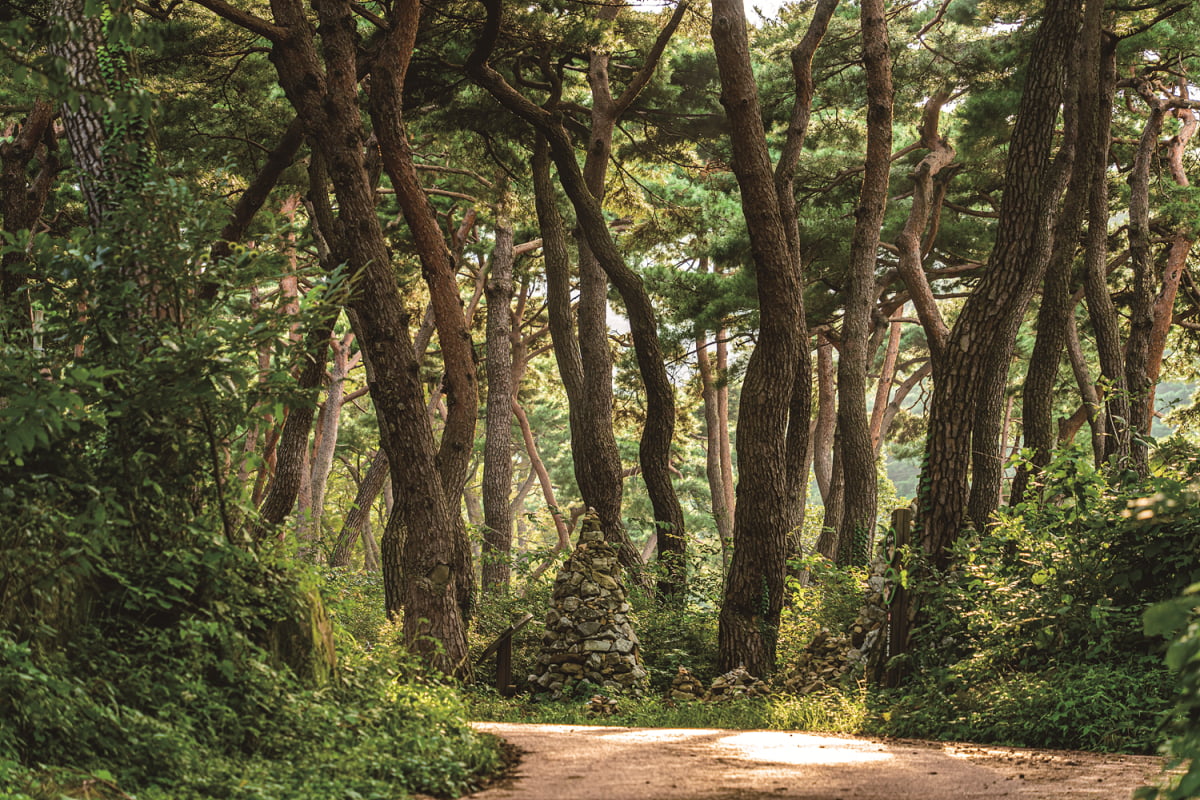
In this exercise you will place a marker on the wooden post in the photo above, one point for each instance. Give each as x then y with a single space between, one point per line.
899 615
502 647
504 683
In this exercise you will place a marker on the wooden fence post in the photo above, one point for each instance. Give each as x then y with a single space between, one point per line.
502 647
900 605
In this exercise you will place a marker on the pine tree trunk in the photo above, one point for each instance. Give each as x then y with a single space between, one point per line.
1113 419
971 373
826 423
722 515
766 503
358 518
597 463
857 525
423 574
497 455
1141 305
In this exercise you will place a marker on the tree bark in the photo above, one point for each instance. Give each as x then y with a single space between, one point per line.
911 264
858 453
328 423
722 515
423 572
826 423
970 376
1113 419
887 378
84 125
497 454
358 518
22 199
597 462
291 454
1057 304
585 190
773 420
1151 308
1141 305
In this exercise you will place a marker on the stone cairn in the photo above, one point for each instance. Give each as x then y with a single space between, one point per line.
686 686
588 634
830 656
734 684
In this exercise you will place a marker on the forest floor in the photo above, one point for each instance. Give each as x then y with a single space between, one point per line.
574 762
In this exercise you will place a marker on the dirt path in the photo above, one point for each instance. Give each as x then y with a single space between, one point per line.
573 762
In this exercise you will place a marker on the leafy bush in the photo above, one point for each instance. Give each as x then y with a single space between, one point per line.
1034 635
1079 706
356 604
828 599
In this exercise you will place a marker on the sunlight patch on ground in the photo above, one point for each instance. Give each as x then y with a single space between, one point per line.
799 748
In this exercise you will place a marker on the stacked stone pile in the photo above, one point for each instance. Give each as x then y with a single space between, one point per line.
823 662
830 656
588 632
736 683
686 686
601 706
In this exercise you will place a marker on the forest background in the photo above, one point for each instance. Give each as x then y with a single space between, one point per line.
323 326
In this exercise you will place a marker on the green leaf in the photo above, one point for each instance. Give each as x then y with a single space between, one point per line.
1167 618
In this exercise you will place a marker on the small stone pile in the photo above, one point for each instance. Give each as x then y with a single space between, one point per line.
601 706
588 633
736 683
686 686
830 656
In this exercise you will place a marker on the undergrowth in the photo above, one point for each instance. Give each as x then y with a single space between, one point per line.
149 645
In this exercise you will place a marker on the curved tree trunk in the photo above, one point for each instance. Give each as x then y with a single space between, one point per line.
291 453
423 573
358 518
328 424
597 462
857 525
773 420
584 188
969 376
1057 305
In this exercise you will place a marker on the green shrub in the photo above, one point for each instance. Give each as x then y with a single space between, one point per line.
356 603
1034 635
1078 706
829 599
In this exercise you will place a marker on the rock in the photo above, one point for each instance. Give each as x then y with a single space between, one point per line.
588 628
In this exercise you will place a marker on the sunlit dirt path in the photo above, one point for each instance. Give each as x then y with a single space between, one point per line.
573 762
